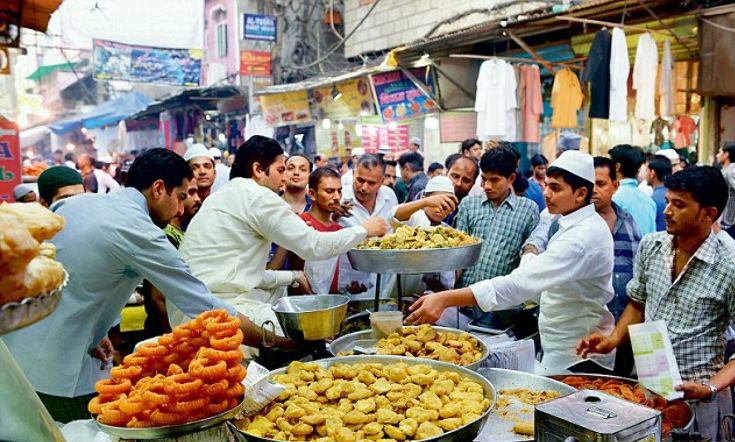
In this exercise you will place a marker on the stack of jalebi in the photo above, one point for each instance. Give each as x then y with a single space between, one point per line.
187 375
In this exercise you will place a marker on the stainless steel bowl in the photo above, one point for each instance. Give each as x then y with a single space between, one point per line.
415 261
464 433
16 315
365 339
311 317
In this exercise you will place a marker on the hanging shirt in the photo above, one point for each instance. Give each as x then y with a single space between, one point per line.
644 77
684 126
495 100
666 83
566 99
533 105
597 72
619 70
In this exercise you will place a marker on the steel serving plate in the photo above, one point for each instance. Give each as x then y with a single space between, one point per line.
16 315
500 429
415 261
170 430
464 433
629 381
311 318
364 339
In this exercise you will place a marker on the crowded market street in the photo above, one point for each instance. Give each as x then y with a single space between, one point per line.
367 220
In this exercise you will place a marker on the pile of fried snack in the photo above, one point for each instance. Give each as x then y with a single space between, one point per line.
27 266
187 375
406 237
367 402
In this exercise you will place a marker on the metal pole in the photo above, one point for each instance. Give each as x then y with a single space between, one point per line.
377 292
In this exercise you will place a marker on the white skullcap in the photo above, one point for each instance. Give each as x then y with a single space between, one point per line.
197 150
439 184
416 141
671 154
21 190
216 153
385 149
358 152
577 163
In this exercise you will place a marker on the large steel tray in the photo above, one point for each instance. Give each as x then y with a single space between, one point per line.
464 433
169 431
16 315
415 261
365 340
499 427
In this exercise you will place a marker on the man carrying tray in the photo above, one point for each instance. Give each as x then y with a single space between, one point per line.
571 280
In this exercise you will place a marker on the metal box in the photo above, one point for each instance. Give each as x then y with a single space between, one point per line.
593 416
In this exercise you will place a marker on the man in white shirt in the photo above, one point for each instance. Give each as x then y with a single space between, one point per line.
222 171
201 162
347 177
227 243
571 280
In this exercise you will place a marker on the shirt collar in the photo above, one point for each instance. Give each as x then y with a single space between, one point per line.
707 251
621 216
510 200
416 178
629 182
577 216
135 196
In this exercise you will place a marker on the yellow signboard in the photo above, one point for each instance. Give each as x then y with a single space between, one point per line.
286 108
354 99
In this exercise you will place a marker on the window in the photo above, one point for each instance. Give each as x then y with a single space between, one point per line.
222 40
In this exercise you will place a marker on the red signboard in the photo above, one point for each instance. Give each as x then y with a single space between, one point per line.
10 160
376 136
255 63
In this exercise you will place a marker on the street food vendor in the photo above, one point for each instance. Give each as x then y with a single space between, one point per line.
228 241
571 280
685 276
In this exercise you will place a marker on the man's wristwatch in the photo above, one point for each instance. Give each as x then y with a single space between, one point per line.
714 391
296 280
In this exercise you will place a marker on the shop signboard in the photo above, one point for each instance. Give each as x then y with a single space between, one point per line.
337 141
10 159
146 64
260 27
456 127
356 100
375 136
400 99
286 108
255 63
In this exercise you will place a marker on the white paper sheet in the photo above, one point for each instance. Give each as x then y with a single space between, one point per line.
654 358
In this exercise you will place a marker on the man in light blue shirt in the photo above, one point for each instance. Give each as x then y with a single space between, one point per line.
659 167
111 242
628 160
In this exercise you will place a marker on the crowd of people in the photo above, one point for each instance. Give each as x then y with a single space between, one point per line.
599 243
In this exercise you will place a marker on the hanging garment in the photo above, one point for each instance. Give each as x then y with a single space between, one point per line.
644 77
619 70
685 127
496 97
566 99
532 104
514 113
659 129
666 83
597 72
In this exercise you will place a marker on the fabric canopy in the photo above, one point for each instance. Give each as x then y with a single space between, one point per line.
109 112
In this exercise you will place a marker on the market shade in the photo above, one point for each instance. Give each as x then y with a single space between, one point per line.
109 112
36 13
42 71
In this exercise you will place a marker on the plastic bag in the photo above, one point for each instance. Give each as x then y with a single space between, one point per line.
320 274
259 390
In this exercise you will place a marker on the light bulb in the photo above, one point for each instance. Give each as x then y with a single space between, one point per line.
326 123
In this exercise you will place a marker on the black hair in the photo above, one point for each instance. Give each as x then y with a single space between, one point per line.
463 158
629 157
370 161
730 149
468 143
390 163
413 160
501 160
520 184
301 155
433 167
661 165
158 164
257 149
316 176
706 184
608 164
450 159
528 173
539 160
573 180
317 158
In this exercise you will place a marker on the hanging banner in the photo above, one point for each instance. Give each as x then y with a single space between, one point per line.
260 27
10 159
336 142
146 64
400 99
356 100
375 136
286 108
255 63
456 127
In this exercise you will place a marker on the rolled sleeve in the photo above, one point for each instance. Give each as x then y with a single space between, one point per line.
276 278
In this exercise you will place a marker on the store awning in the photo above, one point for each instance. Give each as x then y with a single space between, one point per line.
35 14
205 98
107 113
43 71
29 137
322 81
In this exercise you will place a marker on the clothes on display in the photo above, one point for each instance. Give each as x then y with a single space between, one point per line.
644 77
684 127
666 83
495 100
566 99
619 70
597 72
659 129
532 105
